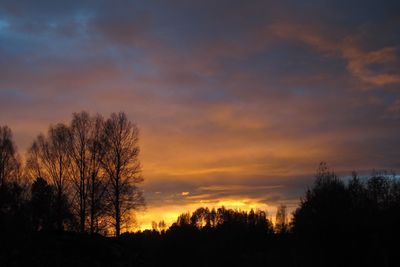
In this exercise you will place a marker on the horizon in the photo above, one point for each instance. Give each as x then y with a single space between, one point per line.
144 219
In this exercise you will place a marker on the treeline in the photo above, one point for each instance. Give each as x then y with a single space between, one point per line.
332 207
348 221
228 220
363 206
204 218
81 176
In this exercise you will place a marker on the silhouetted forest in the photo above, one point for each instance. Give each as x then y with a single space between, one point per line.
80 176
68 204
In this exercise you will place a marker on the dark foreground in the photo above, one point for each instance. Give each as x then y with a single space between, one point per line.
338 223
193 248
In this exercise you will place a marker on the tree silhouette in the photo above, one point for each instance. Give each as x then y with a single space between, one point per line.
183 219
203 218
92 165
86 152
97 183
9 162
12 197
42 205
281 221
122 166
51 154
94 168
79 152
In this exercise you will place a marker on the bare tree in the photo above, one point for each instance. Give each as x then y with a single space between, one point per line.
154 226
122 166
34 168
50 156
281 221
162 226
9 161
12 191
97 185
80 131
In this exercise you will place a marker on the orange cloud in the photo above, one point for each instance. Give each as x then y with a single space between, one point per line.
358 60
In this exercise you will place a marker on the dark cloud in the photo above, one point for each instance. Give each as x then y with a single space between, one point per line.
246 97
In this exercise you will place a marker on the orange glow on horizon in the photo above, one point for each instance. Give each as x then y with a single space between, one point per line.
170 213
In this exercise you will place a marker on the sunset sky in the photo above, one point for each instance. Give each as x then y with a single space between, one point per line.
237 101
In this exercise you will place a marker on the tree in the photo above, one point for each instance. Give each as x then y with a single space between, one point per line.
34 168
9 161
378 188
183 219
50 155
11 191
325 205
162 226
80 134
281 222
154 226
200 218
42 205
122 166
97 186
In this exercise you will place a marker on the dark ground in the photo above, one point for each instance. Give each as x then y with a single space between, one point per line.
191 248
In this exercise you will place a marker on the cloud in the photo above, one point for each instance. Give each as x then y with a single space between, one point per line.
359 61
394 108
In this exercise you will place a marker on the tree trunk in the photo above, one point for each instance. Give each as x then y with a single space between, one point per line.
59 197
117 210
58 212
82 205
92 203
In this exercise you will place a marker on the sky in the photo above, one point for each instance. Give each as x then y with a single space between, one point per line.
237 101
